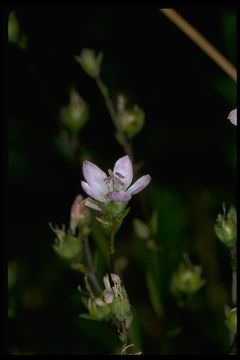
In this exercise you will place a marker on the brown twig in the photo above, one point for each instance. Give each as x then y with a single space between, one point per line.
202 42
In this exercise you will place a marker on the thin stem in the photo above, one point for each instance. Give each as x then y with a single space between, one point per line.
202 42
234 275
125 346
91 269
123 140
112 246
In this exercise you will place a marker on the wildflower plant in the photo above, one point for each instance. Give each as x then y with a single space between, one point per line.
107 197
99 210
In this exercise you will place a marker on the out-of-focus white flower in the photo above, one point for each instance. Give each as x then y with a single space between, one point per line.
233 117
115 187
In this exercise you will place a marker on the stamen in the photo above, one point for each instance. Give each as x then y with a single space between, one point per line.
119 175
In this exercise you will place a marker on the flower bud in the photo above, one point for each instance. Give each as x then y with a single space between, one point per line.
66 246
226 226
98 309
231 319
131 120
75 115
116 297
14 32
79 213
90 62
187 280
141 229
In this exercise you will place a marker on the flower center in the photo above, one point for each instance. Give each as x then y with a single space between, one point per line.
114 181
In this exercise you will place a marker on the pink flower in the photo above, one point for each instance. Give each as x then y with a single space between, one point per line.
233 117
116 186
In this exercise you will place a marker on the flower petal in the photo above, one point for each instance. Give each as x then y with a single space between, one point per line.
95 177
233 117
91 204
120 196
139 185
93 192
92 172
124 167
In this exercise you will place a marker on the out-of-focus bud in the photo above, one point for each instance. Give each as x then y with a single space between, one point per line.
117 298
226 226
90 62
75 115
132 119
98 309
233 117
231 318
66 246
79 213
141 229
187 280
14 32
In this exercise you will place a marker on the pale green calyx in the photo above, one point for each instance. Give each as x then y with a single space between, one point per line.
231 318
187 280
75 115
226 226
90 62
116 297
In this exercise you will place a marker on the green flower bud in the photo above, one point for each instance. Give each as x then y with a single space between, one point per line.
120 306
131 120
66 246
75 115
13 27
187 280
98 309
90 62
116 297
141 229
226 226
14 32
231 319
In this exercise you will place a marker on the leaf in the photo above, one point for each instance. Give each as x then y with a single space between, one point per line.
154 293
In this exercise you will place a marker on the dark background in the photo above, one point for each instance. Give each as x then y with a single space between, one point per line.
187 144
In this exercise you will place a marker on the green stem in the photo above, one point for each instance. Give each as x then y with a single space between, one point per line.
112 246
91 274
234 275
125 344
123 140
233 251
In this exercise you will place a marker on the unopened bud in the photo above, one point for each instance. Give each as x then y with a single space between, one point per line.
187 280
226 226
79 213
116 297
132 119
98 309
66 246
14 32
141 229
75 115
90 62
231 319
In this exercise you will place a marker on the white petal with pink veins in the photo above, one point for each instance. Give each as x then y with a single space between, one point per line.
93 192
124 167
139 185
233 117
